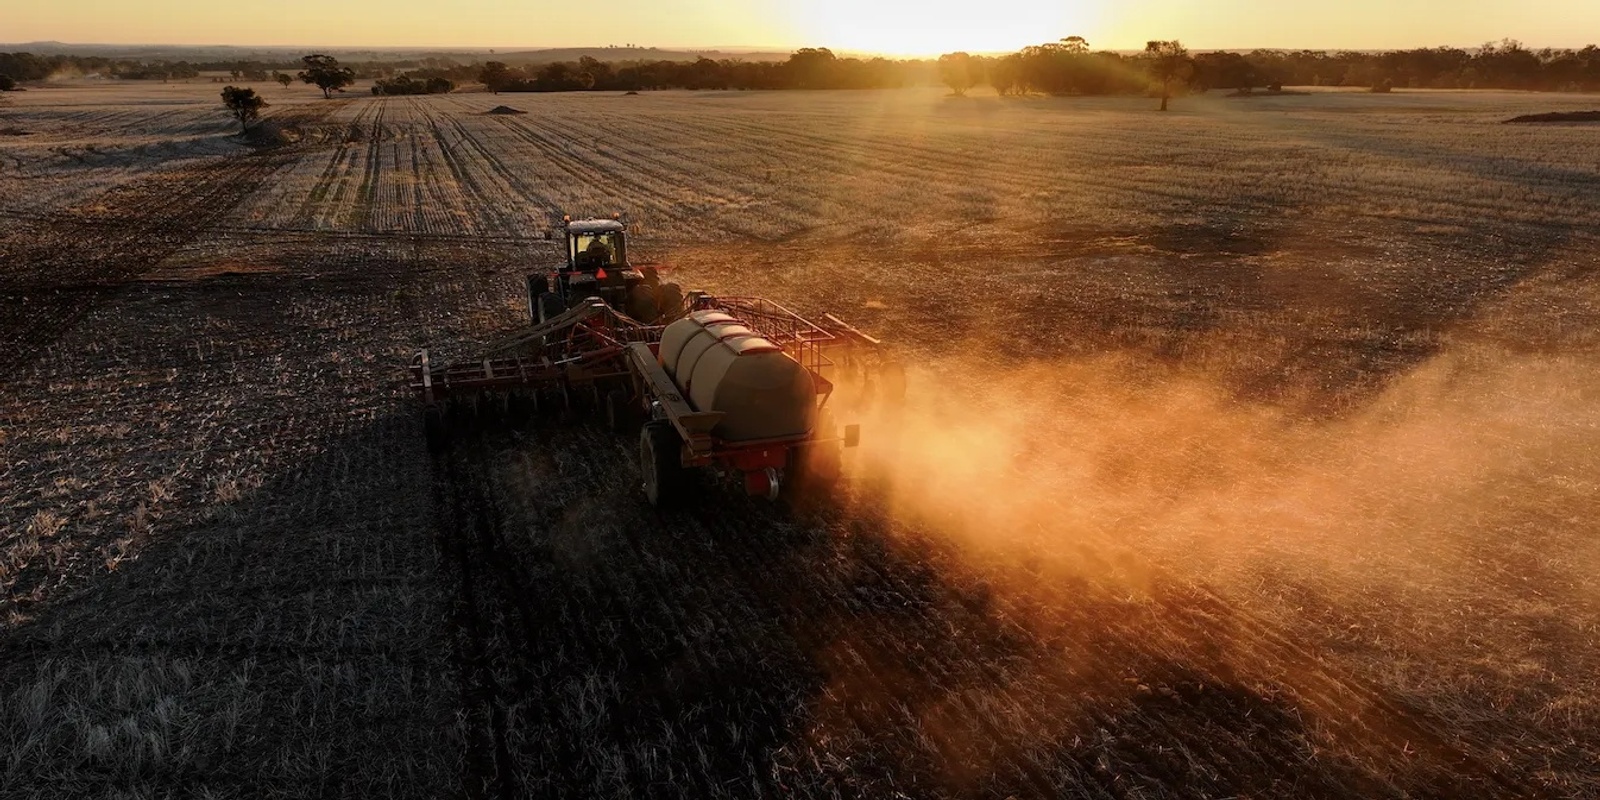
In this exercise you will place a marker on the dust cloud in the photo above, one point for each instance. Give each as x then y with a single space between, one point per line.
1435 544
1114 453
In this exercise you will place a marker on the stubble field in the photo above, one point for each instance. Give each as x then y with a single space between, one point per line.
1251 450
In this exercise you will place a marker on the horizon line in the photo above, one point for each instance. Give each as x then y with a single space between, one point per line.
731 49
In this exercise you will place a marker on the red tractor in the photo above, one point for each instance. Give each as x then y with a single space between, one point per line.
597 266
740 387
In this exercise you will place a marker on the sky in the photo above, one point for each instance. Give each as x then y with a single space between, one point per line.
908 27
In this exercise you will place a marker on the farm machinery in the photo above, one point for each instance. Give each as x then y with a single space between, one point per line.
740 387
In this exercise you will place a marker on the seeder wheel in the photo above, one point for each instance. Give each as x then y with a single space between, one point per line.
660 463
622 414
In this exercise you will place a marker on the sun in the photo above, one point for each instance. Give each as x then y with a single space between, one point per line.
931 27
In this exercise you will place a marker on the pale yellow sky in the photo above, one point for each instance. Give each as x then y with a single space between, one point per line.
900 28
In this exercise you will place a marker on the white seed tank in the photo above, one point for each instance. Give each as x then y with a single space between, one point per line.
721 365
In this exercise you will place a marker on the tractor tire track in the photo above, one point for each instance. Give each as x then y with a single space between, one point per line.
58 271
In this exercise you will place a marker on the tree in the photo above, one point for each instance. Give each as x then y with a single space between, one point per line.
959 71
1169 61
283 78
495 75
7 83
1224 70
326 74
812 68
244 104
1005 74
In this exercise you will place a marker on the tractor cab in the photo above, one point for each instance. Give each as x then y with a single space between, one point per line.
597 267
596 244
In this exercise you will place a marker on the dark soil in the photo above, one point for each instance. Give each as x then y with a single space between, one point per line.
1559 116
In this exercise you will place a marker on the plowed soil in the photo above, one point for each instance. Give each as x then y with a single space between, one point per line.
1248 452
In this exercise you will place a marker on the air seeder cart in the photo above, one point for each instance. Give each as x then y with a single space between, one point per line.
739 386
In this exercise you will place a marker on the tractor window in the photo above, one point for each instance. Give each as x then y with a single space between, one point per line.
591 250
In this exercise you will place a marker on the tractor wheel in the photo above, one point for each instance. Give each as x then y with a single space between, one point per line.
661 463
550 307
642 304
622 416
537 285
669 299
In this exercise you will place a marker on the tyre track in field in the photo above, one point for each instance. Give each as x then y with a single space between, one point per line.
344 210
513 184
311 208
584 173
628 161
365 203
59 269
493 184
928 166
479 200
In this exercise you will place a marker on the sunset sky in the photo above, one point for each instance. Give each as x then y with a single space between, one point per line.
895 28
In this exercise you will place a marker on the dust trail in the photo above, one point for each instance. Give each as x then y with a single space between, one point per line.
1435 546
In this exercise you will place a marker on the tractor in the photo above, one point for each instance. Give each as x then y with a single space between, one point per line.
597 265
739 387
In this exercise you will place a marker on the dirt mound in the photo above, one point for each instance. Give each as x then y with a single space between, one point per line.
504 110
273 133
1559 116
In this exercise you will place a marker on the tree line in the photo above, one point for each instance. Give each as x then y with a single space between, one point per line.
1067 66
1071 67
807 68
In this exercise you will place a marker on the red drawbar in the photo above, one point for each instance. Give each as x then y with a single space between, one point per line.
755 460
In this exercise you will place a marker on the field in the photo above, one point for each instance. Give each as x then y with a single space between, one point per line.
1251 450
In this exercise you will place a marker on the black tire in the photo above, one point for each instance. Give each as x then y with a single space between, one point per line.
661 463
581 297
642 304
621 414
669 301
537 285
550 307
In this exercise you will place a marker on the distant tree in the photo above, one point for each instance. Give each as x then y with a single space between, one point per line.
1223 70
1169 63
326 74
495 75
1005 74
283 78
812 68
7 83
244 104
1077 45
959 71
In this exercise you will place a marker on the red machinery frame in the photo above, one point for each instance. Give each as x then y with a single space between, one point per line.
594 348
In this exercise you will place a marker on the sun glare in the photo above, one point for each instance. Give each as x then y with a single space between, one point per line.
940 26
